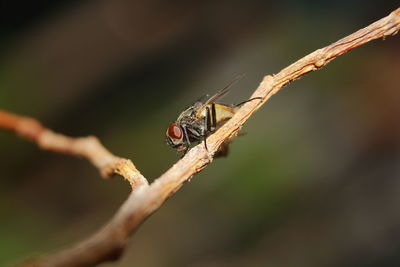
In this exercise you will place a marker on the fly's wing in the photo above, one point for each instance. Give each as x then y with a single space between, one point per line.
221 93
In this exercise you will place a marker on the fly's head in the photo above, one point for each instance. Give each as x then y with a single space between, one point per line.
174 137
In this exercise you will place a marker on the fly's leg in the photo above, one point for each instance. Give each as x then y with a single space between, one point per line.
208 123
186 136
248 100
207 126
213 116
195 134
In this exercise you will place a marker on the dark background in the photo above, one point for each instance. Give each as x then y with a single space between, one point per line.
315 182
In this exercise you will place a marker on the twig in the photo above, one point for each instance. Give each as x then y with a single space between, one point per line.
108 243
88 147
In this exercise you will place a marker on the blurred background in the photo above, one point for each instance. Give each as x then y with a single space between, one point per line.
315 182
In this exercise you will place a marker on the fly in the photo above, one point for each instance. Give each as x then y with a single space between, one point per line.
200 120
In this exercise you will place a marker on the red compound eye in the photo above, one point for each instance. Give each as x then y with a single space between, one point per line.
174 131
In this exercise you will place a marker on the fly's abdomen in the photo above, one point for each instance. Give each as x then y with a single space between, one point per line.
223 112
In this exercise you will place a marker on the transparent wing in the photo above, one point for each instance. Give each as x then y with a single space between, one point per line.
221 93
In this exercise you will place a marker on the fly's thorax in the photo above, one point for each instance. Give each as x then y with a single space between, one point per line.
188 114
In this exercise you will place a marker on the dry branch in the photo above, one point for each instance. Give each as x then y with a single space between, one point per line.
88 147
108 243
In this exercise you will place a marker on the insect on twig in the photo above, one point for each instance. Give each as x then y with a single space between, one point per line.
201 119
